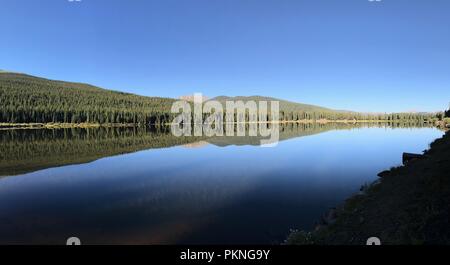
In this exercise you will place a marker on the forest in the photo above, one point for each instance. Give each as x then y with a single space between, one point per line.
29 99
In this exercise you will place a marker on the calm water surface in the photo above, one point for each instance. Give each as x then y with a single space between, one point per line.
126 188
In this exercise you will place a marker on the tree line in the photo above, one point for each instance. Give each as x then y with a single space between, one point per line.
295 116
28 99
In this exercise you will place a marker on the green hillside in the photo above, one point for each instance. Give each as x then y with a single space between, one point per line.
285 105
292 111
26 99
30 99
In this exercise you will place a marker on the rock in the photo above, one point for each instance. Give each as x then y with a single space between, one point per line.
383 174
408 157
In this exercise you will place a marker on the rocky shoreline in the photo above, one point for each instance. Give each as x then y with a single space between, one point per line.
409 204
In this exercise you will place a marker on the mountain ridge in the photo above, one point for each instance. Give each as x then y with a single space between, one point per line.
285 105
30 99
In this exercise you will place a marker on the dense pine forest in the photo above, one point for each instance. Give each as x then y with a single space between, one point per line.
29 99
292 111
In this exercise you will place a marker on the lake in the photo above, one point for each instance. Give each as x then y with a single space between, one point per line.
136 186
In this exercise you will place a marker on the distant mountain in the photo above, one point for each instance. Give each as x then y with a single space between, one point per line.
286 106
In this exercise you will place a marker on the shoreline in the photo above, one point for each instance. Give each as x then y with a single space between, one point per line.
408 205
51 125
13 126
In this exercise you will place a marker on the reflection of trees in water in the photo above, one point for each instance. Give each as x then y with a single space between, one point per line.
29 150
293 130
33 149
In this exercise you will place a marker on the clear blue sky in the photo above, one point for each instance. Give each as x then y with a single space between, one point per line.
388 56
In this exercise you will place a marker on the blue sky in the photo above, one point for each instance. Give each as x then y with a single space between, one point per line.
386 56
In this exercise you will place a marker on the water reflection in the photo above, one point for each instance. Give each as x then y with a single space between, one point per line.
226 190
28 150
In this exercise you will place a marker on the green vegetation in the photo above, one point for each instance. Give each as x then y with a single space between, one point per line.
28 99
291 111
408 205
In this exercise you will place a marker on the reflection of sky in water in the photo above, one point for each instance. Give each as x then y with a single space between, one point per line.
232 194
